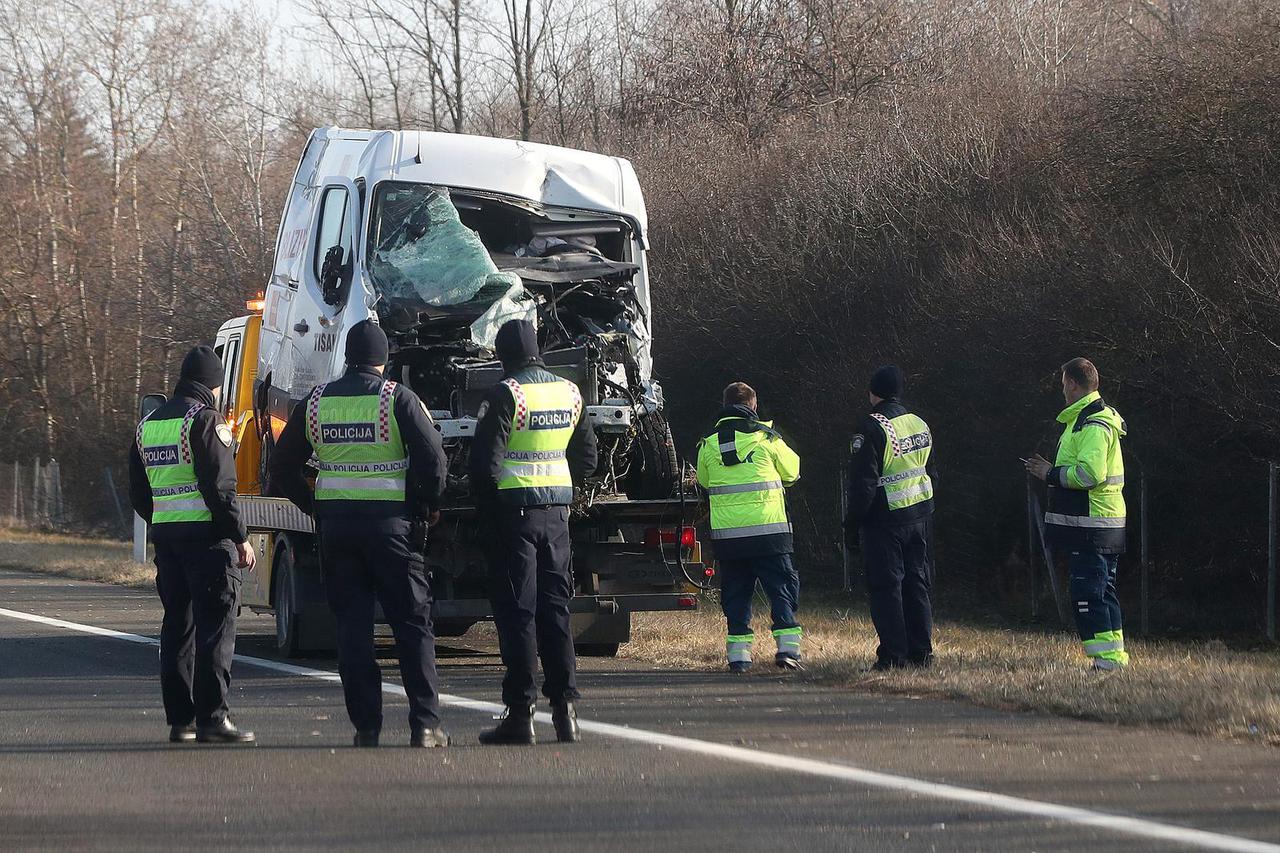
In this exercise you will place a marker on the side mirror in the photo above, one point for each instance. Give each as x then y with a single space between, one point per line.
332 273
150 402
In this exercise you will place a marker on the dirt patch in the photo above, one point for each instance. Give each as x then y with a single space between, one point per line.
76 557
1200 688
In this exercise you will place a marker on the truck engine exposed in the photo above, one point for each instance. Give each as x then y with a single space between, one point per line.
449 268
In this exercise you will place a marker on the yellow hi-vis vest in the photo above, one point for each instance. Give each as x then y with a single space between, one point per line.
535 470
747 498
165 448
357 442
903 474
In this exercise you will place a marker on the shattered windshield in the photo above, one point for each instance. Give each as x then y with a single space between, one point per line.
420 254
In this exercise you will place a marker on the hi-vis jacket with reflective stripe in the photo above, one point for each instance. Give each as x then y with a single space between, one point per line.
186 484
1086 509
744 466
381 461
358 448
535 467
889 478
165 445
523 453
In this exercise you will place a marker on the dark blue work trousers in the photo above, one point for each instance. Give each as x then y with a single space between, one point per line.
360 565
530 586
779 580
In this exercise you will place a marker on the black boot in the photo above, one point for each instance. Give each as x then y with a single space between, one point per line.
369 738
428 738
565 719
182 734
514 727
222 732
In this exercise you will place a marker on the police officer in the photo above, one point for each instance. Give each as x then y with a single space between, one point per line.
744 467
532 444
890 502
1086 511
182 481
382 472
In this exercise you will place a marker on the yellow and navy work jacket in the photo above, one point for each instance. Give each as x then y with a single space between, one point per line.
888 481
744 466
1086 510
182 477
377 453
533 441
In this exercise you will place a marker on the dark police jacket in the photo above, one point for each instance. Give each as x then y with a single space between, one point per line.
424 481
215 468
867 502
494 429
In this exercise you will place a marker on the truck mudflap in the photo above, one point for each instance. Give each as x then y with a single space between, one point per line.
272 515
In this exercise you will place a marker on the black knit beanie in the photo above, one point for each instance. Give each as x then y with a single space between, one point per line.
516 343
202 365
367 345
887 382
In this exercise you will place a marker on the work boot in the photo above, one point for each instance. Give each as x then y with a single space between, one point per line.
886 664
787 662
565 718
515 726
429 738
925 662
182 734
223 731
739 666
365 739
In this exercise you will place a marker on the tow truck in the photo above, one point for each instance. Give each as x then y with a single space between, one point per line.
441 238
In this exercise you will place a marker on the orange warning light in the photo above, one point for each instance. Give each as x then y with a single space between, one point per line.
257 303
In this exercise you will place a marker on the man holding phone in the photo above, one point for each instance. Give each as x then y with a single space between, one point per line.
1086 510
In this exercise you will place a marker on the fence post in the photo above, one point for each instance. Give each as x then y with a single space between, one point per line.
1146 560
1031 550
17 493
1058 600
1271 551
844 547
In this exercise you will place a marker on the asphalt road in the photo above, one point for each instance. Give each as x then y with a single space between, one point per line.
708 761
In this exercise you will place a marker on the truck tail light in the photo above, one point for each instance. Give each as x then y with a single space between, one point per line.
687 601
685 537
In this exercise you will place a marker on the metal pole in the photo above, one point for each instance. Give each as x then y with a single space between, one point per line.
1058 600
1146 560
17 490
1031 550
844 546
1271 551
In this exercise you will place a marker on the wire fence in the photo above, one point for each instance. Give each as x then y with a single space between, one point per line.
31 494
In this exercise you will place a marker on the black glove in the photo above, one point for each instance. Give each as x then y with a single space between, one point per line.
418 536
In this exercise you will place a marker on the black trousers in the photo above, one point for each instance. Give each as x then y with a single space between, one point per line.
199 586
361 564
530 586
899 575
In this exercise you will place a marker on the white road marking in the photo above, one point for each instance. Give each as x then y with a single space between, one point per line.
1139 827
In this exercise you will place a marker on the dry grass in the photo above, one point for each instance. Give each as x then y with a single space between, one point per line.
74 557
1199 688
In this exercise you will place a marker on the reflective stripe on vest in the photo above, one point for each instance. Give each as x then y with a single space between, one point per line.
535 470
165 447
907 446
358 445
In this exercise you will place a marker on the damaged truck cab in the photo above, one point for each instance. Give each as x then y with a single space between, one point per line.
442 238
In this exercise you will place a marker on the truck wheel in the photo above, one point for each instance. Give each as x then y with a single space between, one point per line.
596 650
288 637
660 468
